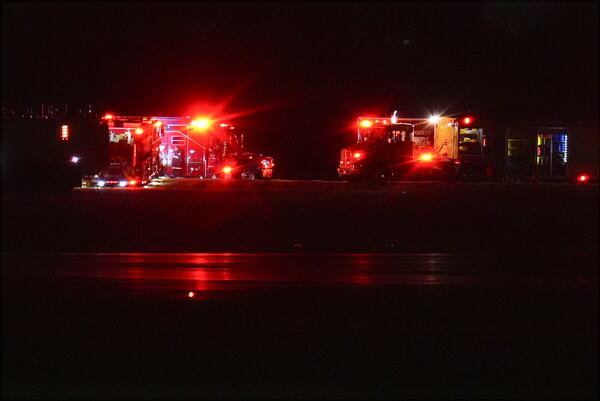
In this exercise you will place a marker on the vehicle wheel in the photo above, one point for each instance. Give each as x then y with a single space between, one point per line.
248 175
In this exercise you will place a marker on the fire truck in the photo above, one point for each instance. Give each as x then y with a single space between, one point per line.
459 147
206 148
134 142
384 150
437 147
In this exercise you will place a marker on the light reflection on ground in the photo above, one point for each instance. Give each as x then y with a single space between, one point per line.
207 274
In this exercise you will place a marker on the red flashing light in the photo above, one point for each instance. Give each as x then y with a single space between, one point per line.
583 178
467 120
139 131
108 117
132 182
357 155
227 170
191 294
366 123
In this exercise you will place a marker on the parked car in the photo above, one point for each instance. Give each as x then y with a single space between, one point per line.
114 175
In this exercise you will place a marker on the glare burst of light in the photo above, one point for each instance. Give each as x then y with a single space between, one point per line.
426 157
201 123
434 119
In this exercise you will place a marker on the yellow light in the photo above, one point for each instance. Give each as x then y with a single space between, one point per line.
64 134
366 123
201 123
227 170
426 157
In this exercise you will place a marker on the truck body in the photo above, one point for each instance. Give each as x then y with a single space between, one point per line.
459 147
205 148
134 142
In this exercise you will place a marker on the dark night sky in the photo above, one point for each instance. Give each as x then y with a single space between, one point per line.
307 70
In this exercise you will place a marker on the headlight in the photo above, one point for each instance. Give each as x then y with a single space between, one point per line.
122 183
101 183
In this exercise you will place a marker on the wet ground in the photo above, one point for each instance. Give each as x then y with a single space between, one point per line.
89 312
300 325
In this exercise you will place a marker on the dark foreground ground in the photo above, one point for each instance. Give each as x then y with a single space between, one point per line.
465 291
308 216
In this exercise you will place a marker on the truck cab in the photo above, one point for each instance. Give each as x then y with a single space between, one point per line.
384 150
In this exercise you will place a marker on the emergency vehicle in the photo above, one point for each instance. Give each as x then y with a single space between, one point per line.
208 148
384 150
459 147
437 147
134 141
